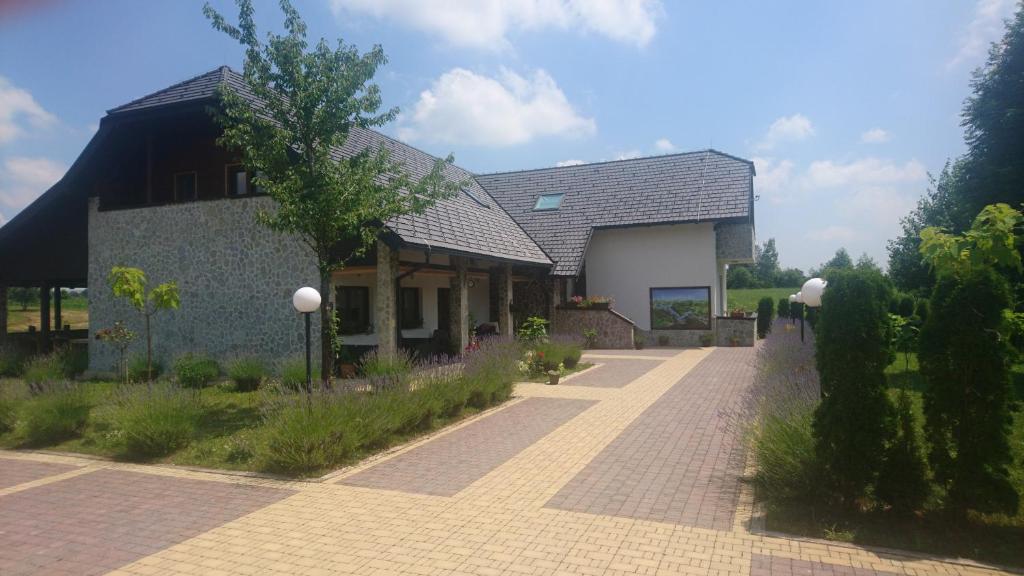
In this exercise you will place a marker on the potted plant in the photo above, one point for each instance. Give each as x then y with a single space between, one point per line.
553 376
347 363
738 313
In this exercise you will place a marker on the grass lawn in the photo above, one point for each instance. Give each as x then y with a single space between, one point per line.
747 298
74 311
986 537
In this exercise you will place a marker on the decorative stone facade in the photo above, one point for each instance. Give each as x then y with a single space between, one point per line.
504 279
734 242
614 330
386 310
236 279
678 338
458 307
735 331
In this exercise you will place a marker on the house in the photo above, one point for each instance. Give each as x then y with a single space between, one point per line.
152 189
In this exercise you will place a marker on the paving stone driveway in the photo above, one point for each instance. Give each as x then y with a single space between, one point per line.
637 479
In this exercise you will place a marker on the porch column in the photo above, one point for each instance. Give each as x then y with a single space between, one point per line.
458 306
385 309
505 327
3 313
58 322
44 318
555 298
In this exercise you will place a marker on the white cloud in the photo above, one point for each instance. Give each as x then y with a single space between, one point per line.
23 179
628 154
19 111
773 178
488 23
831 234
465 108
984 28
867 171
786 129
664 145
569 163
874 136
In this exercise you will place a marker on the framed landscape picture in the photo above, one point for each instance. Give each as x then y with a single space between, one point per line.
681 308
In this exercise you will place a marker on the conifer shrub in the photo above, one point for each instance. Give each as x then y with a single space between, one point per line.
964 359
765 315
783 308
854 421
903 482
906 306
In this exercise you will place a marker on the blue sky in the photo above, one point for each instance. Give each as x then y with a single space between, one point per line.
845 107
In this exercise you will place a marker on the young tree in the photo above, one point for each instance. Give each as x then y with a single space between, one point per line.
765 315
840 261
853 423
310 101
790 278
23 296
766 268
130 283
964 355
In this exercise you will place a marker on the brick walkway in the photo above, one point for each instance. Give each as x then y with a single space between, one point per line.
638 479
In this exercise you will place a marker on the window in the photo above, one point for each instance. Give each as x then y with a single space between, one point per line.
548 201
681 308
237 180
185 186
411 316
353 307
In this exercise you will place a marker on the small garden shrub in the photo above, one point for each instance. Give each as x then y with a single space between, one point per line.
308 434
559 352
783 309
75 360
56 413
247 373
590 338
137 368
922 310
906 306
534 329
765 315
387 371
293 374
196 371
12 394
788 470
12 362
157 419
45 369
638 341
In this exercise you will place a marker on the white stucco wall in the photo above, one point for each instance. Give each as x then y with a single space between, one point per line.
625 263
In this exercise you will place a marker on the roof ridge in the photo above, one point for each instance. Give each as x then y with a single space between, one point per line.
169 88
621 160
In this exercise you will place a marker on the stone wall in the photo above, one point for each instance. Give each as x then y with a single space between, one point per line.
735 331
734 242
614 331
679 338
236 280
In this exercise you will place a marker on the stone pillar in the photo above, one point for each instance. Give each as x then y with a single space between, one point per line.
3 313
458 306
385 311
554 300
505 327
44 318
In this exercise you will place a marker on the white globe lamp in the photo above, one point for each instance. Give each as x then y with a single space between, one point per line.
307 300
800 297
812 291
792 298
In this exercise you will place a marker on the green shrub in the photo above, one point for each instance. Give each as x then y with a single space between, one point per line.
293 374
906 306
922 310
783 308
387 371
75 360
196 371
12 361
902 482
765 315
964 359
590 338
638 341
137 368
307 435
11 397
572 355
787 466
247 373
533 329
854 421
157 419
58 412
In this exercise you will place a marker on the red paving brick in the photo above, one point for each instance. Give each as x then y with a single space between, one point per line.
14 472
449 463
761 565
678 461
93 523
613 373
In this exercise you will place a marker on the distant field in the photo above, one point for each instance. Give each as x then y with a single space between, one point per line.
74 311
747 298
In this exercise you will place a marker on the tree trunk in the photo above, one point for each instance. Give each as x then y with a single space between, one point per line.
326 349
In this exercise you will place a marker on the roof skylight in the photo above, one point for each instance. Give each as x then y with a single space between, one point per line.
549 201
479 199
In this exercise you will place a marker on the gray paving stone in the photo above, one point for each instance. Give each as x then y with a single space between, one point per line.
613 373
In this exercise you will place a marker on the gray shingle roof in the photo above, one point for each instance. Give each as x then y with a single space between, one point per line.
695 186
461 224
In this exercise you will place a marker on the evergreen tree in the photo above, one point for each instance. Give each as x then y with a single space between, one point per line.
766 268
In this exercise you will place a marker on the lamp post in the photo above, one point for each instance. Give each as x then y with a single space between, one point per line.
810 294
307 300
792 300
800 301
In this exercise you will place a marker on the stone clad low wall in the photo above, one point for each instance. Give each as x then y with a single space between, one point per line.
735 331
614 331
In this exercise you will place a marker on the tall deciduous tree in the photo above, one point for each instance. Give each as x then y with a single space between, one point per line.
767 265
23 296
310 99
